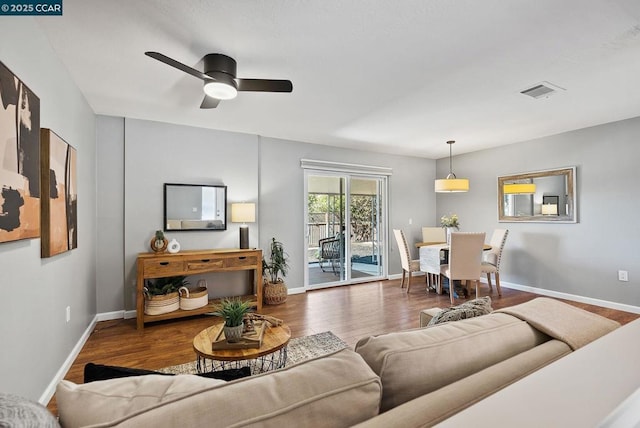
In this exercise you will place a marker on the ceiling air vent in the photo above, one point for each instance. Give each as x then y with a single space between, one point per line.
542 90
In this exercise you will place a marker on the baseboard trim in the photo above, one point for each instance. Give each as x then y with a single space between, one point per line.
107 316
399 275
62 371
299 290
573 297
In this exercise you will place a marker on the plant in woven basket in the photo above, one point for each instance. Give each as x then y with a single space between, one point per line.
167 285
273 271
161 295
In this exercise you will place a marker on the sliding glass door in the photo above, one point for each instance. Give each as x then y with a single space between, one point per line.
345 233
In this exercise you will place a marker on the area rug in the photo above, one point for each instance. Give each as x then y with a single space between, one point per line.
299 349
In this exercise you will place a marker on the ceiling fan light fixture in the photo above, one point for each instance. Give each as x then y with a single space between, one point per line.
220 90
451 184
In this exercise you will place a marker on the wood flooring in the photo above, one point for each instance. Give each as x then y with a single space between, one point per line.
350 312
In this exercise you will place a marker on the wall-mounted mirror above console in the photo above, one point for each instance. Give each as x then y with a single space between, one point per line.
195 207
538 196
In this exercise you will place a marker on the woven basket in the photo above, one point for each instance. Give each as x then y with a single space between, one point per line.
274 293
193 299
162 304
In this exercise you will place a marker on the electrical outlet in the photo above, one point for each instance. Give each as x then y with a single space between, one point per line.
623 275
410 221
68 313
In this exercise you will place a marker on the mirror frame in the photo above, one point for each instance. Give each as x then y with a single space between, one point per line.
568 172
221 187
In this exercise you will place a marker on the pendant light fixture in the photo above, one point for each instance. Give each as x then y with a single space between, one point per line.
519 189
451 184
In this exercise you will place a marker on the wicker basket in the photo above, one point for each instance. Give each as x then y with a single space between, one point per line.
194 298
162 304
274 293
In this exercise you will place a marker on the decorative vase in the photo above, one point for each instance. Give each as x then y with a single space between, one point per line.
449 230
233 334
159 246
274 293
173 247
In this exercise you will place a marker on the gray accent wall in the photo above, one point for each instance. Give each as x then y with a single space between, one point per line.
282 196
110 196
34 336
580 259
157 153
255 169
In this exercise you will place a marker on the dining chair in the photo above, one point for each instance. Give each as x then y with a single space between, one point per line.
465 259
433 235
408 266
491 262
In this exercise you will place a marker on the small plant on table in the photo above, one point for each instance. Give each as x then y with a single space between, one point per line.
232 311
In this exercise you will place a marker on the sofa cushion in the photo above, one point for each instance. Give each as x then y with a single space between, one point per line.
430 409
417 362
337 390
107 400
470 309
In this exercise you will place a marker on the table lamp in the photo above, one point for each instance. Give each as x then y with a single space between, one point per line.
549 209
244 213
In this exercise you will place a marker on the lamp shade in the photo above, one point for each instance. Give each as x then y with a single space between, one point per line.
451 185
519 188
549 209
244 212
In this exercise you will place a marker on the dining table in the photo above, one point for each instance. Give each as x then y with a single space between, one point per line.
432 255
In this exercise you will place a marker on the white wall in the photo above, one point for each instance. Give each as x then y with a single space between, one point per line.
580 259
34 335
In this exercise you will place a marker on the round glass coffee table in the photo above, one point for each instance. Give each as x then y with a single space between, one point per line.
271 355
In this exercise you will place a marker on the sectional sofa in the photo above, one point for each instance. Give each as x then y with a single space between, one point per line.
411 378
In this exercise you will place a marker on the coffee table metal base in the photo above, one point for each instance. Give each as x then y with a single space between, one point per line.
273 361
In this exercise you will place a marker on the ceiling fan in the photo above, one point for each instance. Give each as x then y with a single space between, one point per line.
220 81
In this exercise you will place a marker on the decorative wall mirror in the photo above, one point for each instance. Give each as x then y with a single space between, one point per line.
539 196
195 207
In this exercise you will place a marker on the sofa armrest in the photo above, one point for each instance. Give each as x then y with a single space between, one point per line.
427 314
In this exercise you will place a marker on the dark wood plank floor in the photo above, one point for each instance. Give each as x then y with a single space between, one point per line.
350 312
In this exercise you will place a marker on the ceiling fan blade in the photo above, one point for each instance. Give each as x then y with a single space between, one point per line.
180 66
209 102
264 85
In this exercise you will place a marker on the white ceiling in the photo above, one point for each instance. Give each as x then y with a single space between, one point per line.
391 76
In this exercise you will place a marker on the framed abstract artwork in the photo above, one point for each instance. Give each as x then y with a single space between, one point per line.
19 159
59 220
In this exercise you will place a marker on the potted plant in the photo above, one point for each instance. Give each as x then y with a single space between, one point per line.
232 311
273 272
161 295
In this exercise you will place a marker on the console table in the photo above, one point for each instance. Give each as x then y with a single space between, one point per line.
152 265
